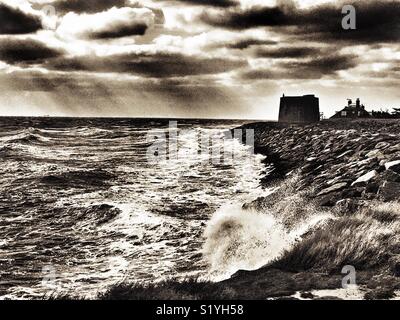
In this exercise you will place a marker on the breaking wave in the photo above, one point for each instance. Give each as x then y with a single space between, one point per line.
239 239
24 138
286 231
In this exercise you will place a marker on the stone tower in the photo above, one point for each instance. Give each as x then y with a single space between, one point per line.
299 109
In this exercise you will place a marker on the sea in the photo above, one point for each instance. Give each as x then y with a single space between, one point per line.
87 203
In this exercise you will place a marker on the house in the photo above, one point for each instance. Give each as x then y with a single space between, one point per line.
352 110
299 109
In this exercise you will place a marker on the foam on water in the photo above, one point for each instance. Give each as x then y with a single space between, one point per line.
153 226
238 239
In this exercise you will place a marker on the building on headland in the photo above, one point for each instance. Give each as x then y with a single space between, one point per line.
299 109
352 110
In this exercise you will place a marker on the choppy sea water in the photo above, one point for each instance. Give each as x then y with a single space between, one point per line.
82 208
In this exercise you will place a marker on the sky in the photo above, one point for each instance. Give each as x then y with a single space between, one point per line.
194 58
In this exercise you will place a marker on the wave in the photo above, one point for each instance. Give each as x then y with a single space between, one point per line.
98 214
83 179
43 136
238 239
287 232
243 239
26 136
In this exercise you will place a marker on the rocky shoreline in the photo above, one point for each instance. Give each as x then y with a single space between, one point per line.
350 170
340 160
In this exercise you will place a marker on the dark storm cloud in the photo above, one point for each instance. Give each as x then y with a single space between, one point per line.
161 65
18 51
244 19
324 65
376 21
213 3
308 69
136 29
87 6
287 52
15 21
246 43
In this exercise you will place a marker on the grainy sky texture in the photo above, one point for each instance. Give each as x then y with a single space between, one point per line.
194 58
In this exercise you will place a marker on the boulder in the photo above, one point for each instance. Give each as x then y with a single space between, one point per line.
389 191
382 145
390 175
393 165
307 295
380 294
365 178
352 192
334 188
329 200
394 148
372 187
375 154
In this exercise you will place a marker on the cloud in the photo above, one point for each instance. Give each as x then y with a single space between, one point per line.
287 52
246 43
87 6
136 29
244 19
16 21
157 65
376 21
323 65
25 51
114 23
179 55
212 3
312 68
